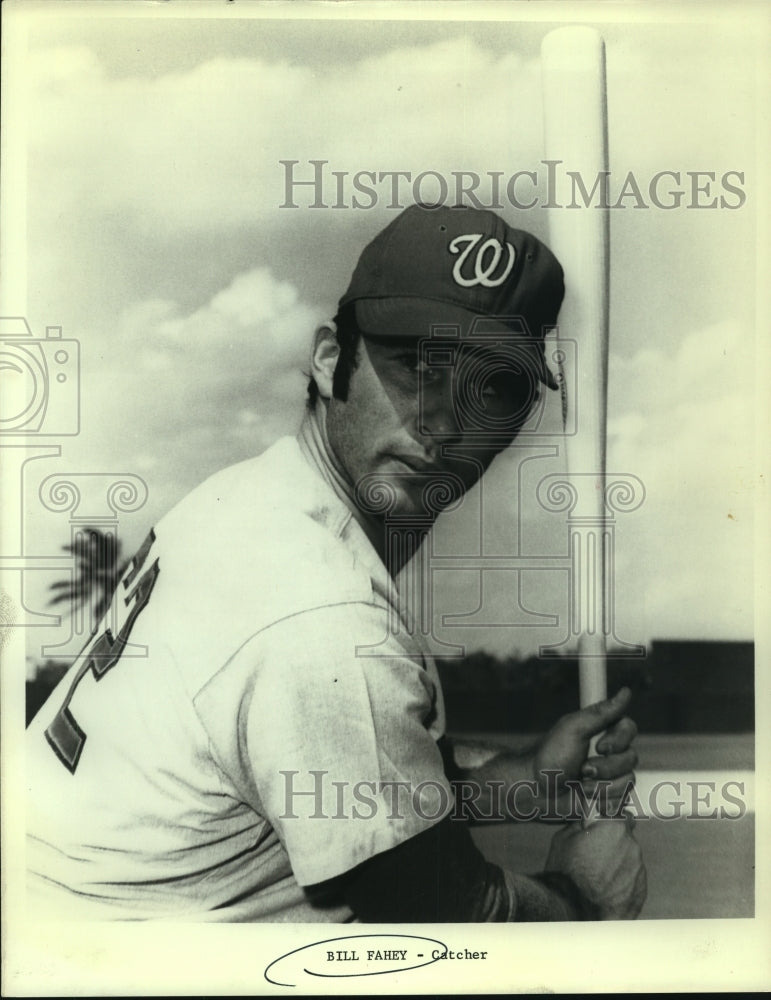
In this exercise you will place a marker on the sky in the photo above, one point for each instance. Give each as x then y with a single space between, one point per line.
153 232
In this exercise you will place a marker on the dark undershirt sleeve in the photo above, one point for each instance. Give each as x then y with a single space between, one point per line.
440 876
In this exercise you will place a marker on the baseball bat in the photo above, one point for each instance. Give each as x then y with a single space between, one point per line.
575 120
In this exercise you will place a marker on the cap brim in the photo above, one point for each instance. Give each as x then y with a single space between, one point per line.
415 317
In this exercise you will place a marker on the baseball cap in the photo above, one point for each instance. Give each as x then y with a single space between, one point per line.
437 266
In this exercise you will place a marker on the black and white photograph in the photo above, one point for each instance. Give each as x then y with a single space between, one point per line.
384 456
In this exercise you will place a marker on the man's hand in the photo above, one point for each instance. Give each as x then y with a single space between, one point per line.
605 862
566 745
560 758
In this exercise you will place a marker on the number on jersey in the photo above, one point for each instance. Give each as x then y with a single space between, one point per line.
64 735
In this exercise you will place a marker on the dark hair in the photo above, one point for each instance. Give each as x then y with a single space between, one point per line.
348 336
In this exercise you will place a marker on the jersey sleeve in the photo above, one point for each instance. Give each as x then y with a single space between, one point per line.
335 739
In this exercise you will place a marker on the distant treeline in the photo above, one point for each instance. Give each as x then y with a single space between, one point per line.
680 686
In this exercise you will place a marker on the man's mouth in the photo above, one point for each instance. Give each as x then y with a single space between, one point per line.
416 463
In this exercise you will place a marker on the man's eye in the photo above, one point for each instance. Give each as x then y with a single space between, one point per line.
418 366
408 361
493 391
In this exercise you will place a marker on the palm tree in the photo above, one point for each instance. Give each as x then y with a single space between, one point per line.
99 567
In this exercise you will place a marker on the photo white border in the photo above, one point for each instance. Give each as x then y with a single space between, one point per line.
195 959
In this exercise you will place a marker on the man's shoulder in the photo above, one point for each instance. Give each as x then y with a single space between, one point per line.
272 526
250 547
276 489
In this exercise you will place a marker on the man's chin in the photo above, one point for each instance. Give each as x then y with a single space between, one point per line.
397 491
419 497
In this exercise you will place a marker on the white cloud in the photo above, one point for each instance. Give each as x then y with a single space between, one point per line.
681 90
201 149
193 391
683 423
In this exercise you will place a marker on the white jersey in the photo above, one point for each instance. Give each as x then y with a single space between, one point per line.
254 716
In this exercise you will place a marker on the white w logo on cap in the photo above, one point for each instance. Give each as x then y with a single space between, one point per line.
488 257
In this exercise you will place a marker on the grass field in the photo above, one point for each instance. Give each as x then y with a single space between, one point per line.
697 868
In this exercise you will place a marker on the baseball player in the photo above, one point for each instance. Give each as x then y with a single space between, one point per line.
256 732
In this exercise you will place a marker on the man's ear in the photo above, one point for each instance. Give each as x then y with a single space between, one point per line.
324 357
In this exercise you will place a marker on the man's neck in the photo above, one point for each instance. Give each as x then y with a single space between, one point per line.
318 452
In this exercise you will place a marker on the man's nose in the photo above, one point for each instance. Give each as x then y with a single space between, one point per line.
438 416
